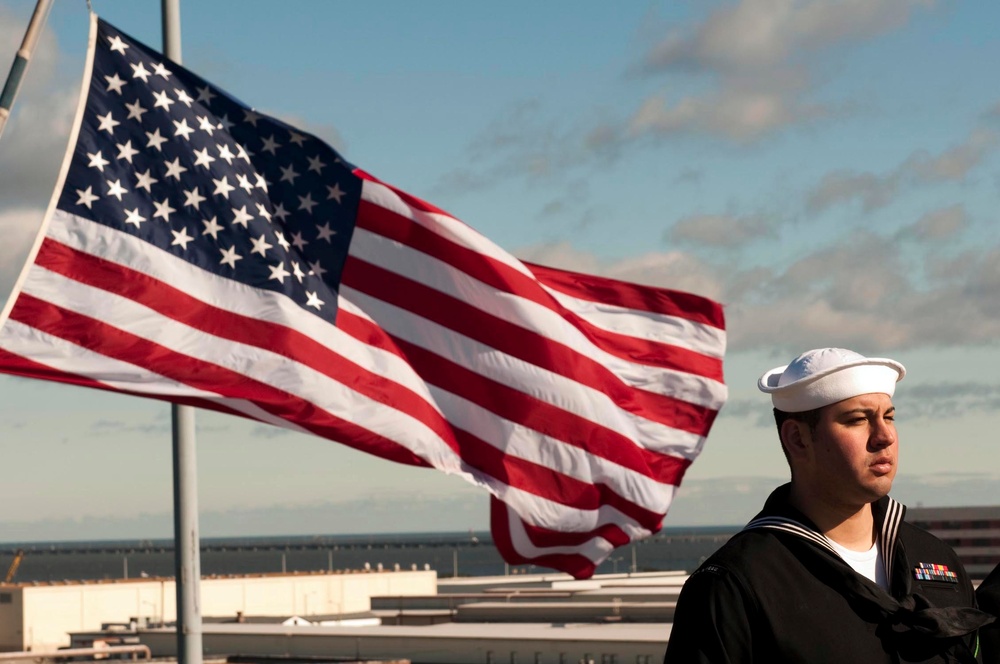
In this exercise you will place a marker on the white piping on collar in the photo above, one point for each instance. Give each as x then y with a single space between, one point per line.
886 539
894 512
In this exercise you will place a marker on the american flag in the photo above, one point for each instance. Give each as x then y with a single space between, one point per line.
200 252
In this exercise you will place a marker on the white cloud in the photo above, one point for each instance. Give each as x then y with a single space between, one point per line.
954 164
765 34
719 230
860 293
950 400
35 137
754 80
733 113
18 228
936 225
34 142
874 191
562 255
45 55
759 53
523 142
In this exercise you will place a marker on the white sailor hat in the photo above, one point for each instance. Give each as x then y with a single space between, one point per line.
823 376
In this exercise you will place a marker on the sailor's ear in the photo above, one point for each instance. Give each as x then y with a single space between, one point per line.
795 437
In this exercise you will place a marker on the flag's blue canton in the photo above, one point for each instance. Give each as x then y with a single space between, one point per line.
167 157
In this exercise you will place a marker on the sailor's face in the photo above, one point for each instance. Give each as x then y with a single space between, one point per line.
854 448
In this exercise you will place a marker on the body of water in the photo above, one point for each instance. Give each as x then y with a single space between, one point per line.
451 554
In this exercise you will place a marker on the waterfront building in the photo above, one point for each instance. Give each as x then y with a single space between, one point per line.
40 616
974 533
367 616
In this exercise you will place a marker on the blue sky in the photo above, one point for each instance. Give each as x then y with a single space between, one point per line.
828 170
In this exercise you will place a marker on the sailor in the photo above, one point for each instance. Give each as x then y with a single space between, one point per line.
988 597
829 571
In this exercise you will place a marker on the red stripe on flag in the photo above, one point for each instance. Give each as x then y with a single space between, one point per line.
180 306
110 341
578 565
506 279
18 365
409 199
632 296
506 337
545 418
549 483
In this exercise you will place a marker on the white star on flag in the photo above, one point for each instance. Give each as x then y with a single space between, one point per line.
97 161
222 187
325 232
313 300
288 174
116 189
182 129
139 71
270 145
155 140
126 151
260 246
241 216
163 100
334 193
183 97
281 240
316 164
135 110
181 238
161 71
134 217
205 95
203 158
115 83
307 203
108 123
212 228
317 269
206 125
116 44
278 272
145 181
87 197
224 153
192 198
174 168
163 209
229 257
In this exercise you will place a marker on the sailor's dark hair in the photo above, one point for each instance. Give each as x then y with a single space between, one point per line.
808 417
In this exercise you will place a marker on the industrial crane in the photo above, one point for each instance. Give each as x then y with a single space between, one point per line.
12 570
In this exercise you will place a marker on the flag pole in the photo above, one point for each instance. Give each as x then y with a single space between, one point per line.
22 59
187 544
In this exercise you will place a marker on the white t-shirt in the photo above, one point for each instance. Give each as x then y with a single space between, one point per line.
868 563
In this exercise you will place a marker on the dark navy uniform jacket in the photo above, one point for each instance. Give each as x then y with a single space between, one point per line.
778 592
988 596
